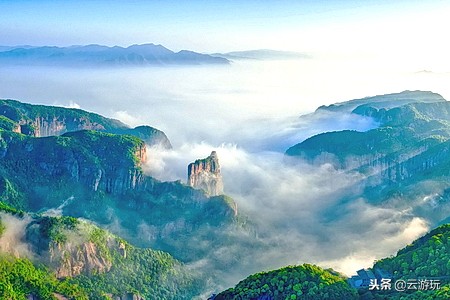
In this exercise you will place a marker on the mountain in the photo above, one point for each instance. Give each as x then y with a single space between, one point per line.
66 162
99 176
82 261
292 282
98 55
43 121
385 101
426 258
404 160
205 174
75 197
263 54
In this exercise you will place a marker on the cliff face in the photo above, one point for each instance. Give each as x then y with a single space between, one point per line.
71 260
409 149
98 161
43 121
205 174
100 263
52 125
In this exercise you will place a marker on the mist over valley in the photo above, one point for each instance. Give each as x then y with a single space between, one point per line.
250 112
256 150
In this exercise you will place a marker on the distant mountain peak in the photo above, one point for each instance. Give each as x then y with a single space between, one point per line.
100 55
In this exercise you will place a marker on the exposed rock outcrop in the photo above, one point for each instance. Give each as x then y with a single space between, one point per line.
72 260
43 121
103 162
128 296
205 174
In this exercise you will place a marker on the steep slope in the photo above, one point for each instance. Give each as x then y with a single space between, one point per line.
205 174
20 279
426 258
98 176
87 260
55 166
293 282
406 157
401 128
42 121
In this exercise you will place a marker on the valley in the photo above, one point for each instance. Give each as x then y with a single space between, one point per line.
75 186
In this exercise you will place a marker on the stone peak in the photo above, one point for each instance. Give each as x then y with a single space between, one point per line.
205 174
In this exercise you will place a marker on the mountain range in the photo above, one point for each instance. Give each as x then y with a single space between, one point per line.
404 160
80 218
98 55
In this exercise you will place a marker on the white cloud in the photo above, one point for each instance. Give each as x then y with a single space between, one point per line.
302 213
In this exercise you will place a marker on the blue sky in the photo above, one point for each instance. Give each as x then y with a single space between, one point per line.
208 26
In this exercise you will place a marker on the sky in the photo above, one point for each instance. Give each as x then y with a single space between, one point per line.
219 26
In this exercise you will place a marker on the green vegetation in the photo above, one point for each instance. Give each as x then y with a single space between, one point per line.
110 267
63 166
151 274
18 111
11 210
428 257
2 227
291 283
7 123
98 144
146 272
53 228
20 278
402 130
69 120
11 193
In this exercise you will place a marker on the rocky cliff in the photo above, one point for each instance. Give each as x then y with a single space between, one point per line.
406 156
97 161
102 175
79 253
205 174
405 132
43 121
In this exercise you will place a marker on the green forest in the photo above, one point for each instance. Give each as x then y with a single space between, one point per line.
292 283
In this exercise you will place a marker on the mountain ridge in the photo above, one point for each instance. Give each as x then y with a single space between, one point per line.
85 261
42 121
426 257
99 55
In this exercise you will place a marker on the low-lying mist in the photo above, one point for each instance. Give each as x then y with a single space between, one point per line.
249 113
248 103
13 239
301 212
